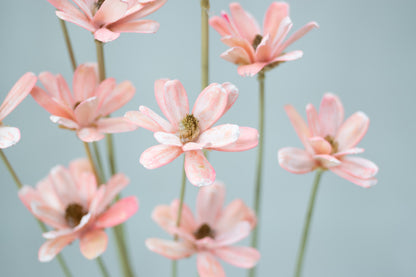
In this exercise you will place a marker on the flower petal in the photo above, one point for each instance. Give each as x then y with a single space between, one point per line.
240 231
235 212
240 256
90 134
9 136
299 124
148 119
290 56
296 160
219 136
236 55
251 69
298 34
115 125
208 266
48 214
141 26
114 99
51 248
143 9
67 123
359 167
350 151
80 20
233 41
105 35
110 11
331 115
327 161
93 244
198 169
365 183
113 187
175 102
64 184
85 82
168 139
274 16
352 131
170 249
86 111
118 213
320 145
248 139
159 155
313 120
220 25
245 23
51 104
209 203
166 217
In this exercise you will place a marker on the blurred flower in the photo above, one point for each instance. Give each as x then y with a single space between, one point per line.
328 140
210 235
10 135
106 19
252 49
86 109
70 202
191 132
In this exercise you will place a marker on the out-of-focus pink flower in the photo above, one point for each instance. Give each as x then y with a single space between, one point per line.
70 202
210 235
11 135
106 19
85 109
253 49
328 141
191 132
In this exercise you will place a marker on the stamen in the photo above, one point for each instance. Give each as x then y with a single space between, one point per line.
204 231
73 214
333 142
189 128
257 40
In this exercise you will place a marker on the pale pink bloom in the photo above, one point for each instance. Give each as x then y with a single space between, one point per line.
253 49
85 109
328 141
191 132
11 135
70 201
210 235
106 19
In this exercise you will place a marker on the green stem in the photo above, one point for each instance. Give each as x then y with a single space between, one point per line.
204 44
257 194
94 169
42 226
179 217
307 223
98 160
102 267
68 44
122 250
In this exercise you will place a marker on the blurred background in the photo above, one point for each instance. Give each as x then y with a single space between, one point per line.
363 52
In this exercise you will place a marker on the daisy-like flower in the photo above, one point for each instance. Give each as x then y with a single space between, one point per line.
210 235
328 141
191 132
106 19
11 135
70 202
252 49
85 109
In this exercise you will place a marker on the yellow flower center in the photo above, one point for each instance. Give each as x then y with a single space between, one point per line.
189 128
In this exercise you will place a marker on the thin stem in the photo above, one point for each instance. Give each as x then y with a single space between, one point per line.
102 267
122 250
100 59
68 44
257 194
42 226
98 160
179 217
94 169
307 223
204 44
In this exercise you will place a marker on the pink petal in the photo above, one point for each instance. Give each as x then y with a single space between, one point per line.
208 266
93 244
86 9
8 136
51 248
210 105
296 160
159 155
170 249
176 102
67 7
159 88
110 11
80 20
251 69
365 183
67 123
264 50
198 170
290 56
284 27
234 213
219 136
142 9
64 184
90 134
358 167
352 131
220 25
118 213
240 256
274 16
299 124
168 139
18 92
232 92
148 119
245 23
50 104
298 34
114 125
236 55
50 82
105 35
248 139
327 161
86 111
113 187
116 98
85 82
331 115
313 120
240 42
141 26
239 231
209 203
190 146
166 217
49 215
350 151
28 195
320 146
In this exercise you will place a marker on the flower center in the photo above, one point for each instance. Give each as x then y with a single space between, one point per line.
334 144
257 40
73 214
204 231
99 3
188 128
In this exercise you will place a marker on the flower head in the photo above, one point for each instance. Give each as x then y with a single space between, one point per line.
328 141
85 109
252 49
210 235
191 132
70 202
106 19
11 135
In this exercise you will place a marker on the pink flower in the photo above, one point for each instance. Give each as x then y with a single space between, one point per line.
328 141
70 202
108 18
86 109
210 235
191 132
252 49
10 135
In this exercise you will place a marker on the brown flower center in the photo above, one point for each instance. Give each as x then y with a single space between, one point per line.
333 142
99 3
257 40
73 214
189 128
204 231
